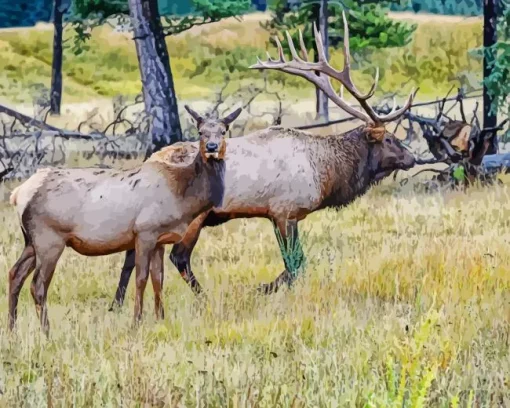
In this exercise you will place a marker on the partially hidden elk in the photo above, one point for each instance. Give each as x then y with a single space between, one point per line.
284 174
104 211
459 143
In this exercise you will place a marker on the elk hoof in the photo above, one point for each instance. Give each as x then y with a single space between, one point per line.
114 307
268 288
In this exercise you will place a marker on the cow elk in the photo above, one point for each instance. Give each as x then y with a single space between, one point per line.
104 211
284 174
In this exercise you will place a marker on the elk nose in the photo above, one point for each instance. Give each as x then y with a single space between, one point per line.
211 147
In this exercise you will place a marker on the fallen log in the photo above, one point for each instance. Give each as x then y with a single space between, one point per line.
497 162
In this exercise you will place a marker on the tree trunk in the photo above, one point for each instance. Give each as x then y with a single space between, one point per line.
157 82
489 39
56 68
321 12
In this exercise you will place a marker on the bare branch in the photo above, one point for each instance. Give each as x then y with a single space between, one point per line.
27 120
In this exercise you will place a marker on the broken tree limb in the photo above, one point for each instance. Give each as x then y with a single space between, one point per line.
429 161
65 134
50 130
5 172
27 120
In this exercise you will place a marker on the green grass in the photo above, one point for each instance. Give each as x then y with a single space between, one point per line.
439 52
404 302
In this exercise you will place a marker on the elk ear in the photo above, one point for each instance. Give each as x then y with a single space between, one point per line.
375 134
199 119
230 118
461 139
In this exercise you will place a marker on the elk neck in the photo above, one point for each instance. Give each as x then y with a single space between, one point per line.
206 186
199 182
343 166
215 180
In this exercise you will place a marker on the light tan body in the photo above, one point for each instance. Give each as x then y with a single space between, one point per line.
269 170
283 172
99 212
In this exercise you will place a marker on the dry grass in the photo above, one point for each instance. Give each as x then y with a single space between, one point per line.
405 302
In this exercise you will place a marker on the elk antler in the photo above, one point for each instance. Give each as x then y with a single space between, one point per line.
307 70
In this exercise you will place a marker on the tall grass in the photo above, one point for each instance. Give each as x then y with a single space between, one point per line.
405 302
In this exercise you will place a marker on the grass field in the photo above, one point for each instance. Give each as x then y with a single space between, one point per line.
404 302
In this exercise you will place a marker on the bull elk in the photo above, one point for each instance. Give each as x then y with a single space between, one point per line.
284 174
104 211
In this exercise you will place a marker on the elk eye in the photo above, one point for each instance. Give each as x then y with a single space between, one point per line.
223 132
199 133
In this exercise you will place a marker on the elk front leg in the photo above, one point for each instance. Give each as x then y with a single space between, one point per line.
125 275
181 258
144 247
292 253
157 274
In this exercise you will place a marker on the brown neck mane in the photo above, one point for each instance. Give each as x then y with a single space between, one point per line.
344 167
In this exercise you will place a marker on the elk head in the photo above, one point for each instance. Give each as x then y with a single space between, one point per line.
386 152
212 134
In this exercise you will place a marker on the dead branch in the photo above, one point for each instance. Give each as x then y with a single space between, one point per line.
27 120
27 143
4 172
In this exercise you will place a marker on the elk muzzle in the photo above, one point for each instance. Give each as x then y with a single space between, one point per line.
213 150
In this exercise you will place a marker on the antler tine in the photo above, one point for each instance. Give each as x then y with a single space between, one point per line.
260 63
320 46
347 67
281 55
371 92
293 51
347 52
394 114
303 47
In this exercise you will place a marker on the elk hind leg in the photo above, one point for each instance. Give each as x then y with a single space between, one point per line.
17 276
181 253
48 249
181 258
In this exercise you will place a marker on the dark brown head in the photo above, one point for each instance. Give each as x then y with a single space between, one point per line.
387 153
212 134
